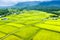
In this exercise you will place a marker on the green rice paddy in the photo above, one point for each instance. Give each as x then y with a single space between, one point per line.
29 25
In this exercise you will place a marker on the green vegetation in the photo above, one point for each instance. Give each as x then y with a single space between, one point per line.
29 25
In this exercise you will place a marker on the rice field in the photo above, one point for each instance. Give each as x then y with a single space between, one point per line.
29 25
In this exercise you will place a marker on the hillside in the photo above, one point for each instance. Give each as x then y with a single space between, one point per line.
35 5
38 4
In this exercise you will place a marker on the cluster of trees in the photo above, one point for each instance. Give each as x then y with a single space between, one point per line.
48 9
3 11
8 11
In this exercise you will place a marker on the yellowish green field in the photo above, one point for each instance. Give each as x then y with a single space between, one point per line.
29 25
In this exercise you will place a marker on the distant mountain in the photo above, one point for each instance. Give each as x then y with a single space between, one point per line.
26 4
50 3
37 4
33 3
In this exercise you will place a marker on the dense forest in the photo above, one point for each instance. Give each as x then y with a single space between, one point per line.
8 11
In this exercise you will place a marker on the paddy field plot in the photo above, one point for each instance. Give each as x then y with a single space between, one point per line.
30 25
